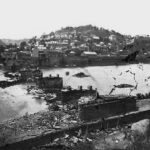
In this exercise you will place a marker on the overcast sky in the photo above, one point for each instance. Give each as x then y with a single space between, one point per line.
27 18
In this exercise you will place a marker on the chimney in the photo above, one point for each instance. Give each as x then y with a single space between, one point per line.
69 88
90 88
80 88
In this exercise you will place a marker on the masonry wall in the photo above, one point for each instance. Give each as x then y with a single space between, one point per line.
50 82
99 110
75 60
74 95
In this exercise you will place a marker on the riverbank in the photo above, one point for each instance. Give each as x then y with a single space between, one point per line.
102 61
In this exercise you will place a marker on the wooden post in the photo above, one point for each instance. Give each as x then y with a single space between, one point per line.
107 125
117 122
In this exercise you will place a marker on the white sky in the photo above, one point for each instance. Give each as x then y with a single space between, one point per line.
27 18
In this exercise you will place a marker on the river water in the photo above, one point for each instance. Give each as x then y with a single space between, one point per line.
14 101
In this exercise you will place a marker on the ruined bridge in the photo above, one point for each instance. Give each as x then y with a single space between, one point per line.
131 57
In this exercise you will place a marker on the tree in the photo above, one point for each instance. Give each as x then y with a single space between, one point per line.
22 45
2 48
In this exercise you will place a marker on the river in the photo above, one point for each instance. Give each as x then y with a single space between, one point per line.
14 101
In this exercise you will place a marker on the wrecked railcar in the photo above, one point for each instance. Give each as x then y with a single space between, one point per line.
8 83
51 82
103 107
72 95
22 76
27 74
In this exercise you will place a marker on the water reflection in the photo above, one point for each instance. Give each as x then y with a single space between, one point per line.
14 101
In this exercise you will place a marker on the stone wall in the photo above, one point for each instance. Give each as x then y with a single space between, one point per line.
72 95
75 60
50 82
106 109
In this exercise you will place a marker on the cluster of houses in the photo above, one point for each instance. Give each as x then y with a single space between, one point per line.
71 48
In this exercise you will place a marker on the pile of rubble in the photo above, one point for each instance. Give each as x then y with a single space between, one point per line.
127 138
40 94
35 124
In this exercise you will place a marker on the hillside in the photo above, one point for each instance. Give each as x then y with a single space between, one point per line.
127 42
89 30
83 33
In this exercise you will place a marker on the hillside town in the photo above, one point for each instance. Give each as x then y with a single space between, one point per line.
80 46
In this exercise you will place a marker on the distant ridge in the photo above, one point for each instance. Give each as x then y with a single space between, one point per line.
89 29
12 41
